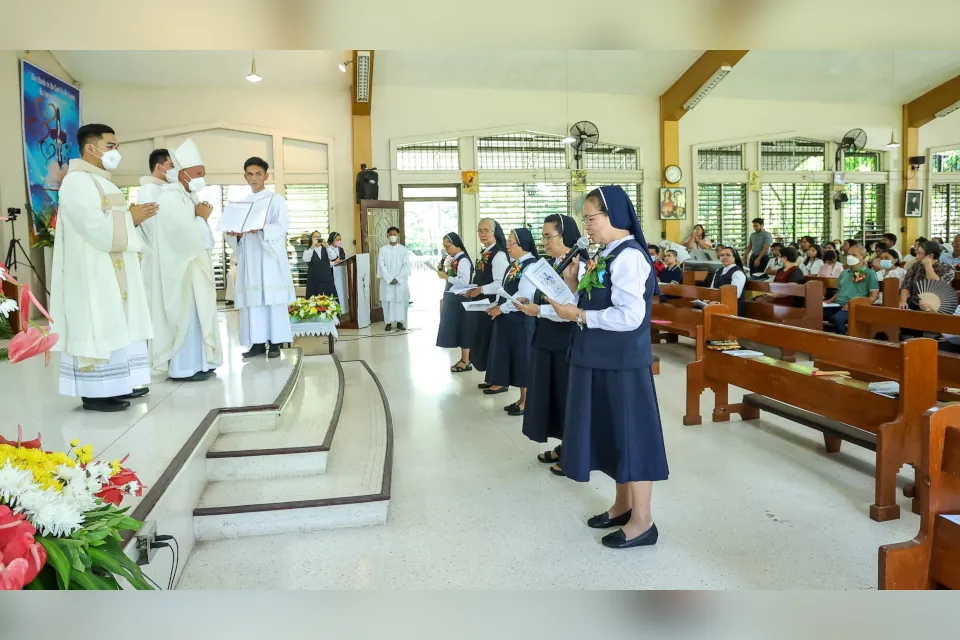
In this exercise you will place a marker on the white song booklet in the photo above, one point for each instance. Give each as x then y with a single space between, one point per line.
240 217
543 276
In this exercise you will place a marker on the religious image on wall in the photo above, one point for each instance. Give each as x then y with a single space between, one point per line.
51 117
673 203
471 181
578 180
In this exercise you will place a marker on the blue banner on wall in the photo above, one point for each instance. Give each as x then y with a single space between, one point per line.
51 117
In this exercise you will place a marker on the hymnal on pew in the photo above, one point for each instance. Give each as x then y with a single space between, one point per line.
240 217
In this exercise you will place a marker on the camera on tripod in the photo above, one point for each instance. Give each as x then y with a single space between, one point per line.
12 213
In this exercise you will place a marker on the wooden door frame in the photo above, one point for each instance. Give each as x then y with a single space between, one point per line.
364 219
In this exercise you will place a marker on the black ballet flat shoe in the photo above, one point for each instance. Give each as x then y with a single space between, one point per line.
557 471
493 392
105 405
604 521
136 393
255 350
511 407
199 376
515 412
483 385
618 539
274 352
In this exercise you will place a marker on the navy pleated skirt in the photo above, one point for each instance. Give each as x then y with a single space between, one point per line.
613 425
543 414
509 361
481 327
454 329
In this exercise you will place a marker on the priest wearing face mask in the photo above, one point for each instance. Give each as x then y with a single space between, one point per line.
161 173
393 270
97 297
264 286
183 291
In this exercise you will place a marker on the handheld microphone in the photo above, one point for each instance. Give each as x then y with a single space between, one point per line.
582 245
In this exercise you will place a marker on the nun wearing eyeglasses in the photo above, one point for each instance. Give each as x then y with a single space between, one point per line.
509 364
547 393
455 331
612 416
490 269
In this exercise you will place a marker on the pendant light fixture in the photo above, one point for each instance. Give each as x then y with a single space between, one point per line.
253 76
893 144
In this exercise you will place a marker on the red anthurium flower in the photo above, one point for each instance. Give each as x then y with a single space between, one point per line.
21 558
29 343
119 486
29 444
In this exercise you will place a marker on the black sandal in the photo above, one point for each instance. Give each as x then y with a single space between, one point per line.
557 471
460 369
547 457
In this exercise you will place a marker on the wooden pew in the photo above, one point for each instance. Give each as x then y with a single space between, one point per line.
841 408
932 559
682 316
810 316
695 278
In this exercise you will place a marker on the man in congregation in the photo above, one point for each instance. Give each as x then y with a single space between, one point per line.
97 297
264 286
856 281
183 300
393 270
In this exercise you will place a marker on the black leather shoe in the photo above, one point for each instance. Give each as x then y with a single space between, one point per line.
483 385
136 393
604 521
516 411
493 392
389 327
511 407
274 352
400 327
618 539
105 405
255 350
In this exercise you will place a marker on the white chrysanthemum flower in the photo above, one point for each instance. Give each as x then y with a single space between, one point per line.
14 482
99 472
7 306
52 513
131 487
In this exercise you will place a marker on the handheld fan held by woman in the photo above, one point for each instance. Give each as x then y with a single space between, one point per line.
937 296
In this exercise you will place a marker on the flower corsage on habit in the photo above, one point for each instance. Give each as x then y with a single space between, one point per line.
593 277
483 261
515 270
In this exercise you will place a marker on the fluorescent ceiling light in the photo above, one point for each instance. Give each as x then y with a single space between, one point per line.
707 87
943 113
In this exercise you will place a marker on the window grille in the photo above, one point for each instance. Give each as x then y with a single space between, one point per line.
722 210
521 150
729 158
515 204
429 156
793 210
610 158
865 212
945 211
634 192
792 155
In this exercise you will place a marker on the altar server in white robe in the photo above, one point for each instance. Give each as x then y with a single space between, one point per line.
393 270
161 173
97 297
183 290
264 286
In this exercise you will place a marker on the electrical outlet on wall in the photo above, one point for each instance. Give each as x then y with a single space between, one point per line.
146 537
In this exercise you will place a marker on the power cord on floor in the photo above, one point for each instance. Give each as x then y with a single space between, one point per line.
164 541
393 334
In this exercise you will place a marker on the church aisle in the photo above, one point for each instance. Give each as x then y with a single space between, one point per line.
748 506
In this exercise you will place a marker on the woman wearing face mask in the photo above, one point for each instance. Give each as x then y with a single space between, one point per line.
512 330
890 268
455 330
612 417
927 266
547 394
489 270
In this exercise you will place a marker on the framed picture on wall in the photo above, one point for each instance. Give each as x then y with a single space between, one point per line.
913 205
673 203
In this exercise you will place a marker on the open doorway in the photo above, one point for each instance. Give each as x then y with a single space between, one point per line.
429 213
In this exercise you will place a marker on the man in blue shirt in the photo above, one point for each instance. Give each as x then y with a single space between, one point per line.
672 271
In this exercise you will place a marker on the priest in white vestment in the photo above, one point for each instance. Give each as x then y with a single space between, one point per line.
183 301
161 173
97 297
264 287
393 270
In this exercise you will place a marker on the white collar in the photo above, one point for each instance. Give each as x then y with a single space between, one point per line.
459 253
727 269
613 245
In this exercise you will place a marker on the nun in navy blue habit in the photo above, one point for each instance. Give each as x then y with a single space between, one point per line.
547 392
509 364
612 416
454 330
488 273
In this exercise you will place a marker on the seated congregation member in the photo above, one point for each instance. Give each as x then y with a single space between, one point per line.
547 394
831 267
831 246
912 254
672 271
890 266
612 416
790 273
319 267
814 261
773 267
730 273
697 239
509 364
952 257
658 265
455 330
856 281
491 267
927 266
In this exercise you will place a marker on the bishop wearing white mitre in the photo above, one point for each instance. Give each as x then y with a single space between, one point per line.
97 299
183 293
264 286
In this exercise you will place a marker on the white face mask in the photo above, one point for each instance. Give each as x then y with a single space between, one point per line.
196 185
853 261
172 176
393 239
110 159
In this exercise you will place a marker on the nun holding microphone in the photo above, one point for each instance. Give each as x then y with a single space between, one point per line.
547 393
612 419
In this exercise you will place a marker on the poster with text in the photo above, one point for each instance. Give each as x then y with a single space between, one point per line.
51 117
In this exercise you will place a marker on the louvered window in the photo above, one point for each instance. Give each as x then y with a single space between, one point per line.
722 210
521 150
792 155
793 210
429 156
517 204
865 212
945 211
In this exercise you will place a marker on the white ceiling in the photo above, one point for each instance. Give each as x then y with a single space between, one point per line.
822 76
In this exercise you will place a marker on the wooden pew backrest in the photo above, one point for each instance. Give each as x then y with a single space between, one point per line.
695 278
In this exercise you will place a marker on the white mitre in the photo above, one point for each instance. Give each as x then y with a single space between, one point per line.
187 155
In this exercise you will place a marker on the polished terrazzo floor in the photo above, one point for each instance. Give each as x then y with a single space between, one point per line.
748 505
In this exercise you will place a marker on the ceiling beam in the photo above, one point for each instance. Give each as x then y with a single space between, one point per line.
686 86
923 109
